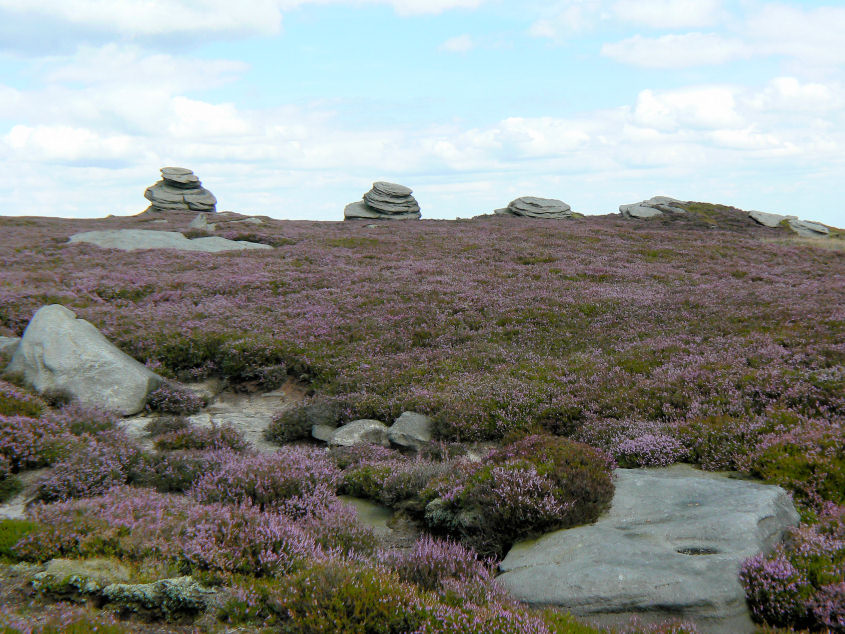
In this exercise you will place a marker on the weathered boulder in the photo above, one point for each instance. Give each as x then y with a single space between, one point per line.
671 545
61 353
77 578
165 598
211 221
133 239
656 206
360 432
323 433
767 219
411 430
808 229
533 207
385 201
179 190
8 345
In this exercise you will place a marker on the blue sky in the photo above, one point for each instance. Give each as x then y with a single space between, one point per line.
292 108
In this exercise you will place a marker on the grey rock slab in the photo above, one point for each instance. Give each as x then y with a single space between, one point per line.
180 175
767 219
411 430
653 207
534 207
134 239
671 545
8 345
639 211
360 432
808 229
201 222
359 210
323 433
60 352
392 189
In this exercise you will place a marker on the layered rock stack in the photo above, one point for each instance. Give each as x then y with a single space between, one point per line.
179 190
385 201
532 207
653 207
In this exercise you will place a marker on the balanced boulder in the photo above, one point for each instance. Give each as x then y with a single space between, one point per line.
385 201
533 207
60 353
179 190
652 207
134 239
671 545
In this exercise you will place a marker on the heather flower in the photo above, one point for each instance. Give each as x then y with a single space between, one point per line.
432 561
214 438
171 399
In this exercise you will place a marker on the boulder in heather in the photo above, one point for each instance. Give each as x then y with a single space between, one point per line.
670 546
808 229
767 219
60 353
360 432
533 207
653 207
179 190
385 201
411 430
135 239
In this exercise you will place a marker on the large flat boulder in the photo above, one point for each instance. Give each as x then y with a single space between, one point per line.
534 207
134 239
653 207
411 430
360 432
671 545
766 219
808 229
59 352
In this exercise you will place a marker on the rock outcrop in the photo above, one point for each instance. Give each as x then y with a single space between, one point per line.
652 207
808 229
134 239
670 546
60 353
385 201
360 432
533 207
767 219
179 190
211 221
411 431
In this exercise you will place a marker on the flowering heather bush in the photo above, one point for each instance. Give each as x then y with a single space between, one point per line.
9 484
537 484
91 469
172 399
80 420
268 480
296 422
431 562
802 583
16 402
29 443
176 471
350 456
161 425
649 450
216 437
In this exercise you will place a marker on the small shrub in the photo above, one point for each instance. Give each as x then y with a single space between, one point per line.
161 425
649 450
80 420
171 399
346 457
9 484
365 480
177 471
30 443
268 480
16 402
296 423
431 562
11 532
216 438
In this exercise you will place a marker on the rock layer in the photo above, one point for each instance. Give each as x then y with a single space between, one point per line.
59 352
179 190
133 239
533 207
656 206
670 546
385 201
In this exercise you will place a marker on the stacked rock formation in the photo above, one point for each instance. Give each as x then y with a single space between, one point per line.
179 190
532 207
652 207
385 201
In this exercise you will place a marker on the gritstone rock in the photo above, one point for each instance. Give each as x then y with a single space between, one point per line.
808 229
211 221
385 201
670 546
411 430
533 207
8 345
767 219
652 207
360 432
133 239
179 190
59 352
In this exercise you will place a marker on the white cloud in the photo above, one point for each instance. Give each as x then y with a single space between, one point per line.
812 36
790 94
668 14
676 51
567 17
458 44
697 108
65 144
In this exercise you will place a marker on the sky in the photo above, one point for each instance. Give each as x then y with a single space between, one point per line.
292 108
